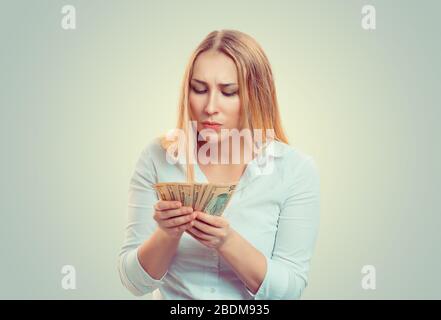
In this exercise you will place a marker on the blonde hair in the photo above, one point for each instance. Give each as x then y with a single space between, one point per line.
257 93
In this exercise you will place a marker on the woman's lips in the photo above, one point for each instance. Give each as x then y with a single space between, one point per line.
215 126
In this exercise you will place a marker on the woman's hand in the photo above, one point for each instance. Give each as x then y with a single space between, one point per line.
211 231
172 218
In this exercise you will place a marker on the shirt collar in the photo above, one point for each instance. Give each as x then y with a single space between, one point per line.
262 164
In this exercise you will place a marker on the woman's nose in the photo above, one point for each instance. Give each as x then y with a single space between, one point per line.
211 106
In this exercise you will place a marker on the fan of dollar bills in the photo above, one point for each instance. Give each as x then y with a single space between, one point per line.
206 197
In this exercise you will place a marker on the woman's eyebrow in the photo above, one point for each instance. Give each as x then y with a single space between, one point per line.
220 84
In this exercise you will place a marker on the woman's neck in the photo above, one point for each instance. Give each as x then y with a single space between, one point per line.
227 153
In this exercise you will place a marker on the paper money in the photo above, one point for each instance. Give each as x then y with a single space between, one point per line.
210 198
217 199
185 193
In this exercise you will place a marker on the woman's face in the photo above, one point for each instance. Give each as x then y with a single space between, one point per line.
214 95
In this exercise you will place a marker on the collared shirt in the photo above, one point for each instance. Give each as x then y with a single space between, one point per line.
275 207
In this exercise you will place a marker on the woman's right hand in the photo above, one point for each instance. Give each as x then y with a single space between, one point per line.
173 218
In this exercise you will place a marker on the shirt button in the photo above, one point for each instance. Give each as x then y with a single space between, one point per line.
212 290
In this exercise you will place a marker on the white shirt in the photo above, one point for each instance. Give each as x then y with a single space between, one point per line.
276 210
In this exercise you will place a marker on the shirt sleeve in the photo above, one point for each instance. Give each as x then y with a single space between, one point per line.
287 269
140 226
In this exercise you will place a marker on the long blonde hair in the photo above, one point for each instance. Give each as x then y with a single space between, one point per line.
257 93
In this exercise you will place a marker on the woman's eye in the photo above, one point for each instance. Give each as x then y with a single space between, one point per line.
199 91
227 94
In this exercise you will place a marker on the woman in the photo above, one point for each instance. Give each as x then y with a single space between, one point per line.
261 247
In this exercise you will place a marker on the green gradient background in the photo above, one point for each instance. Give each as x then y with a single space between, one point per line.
77 107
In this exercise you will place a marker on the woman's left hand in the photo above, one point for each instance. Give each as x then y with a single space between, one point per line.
211 231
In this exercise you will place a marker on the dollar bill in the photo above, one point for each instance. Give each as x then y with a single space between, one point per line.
206 197
202 194
185 193
197 192
173 191
162 191
217 199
